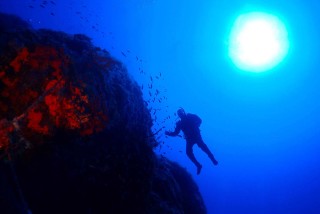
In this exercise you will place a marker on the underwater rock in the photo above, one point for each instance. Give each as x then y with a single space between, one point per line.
174 191
75 133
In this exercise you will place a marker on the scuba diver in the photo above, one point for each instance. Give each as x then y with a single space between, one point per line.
189 124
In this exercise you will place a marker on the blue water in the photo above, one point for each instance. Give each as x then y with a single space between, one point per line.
262 128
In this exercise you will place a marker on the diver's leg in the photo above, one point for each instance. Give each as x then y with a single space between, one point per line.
192 157
205 148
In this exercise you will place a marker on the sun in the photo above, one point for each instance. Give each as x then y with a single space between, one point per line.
258 42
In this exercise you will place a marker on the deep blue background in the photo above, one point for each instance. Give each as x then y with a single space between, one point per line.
263 128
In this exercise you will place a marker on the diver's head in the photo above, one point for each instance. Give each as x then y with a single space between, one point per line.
181 113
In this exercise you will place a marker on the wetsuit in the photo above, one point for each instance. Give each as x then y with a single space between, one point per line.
190 128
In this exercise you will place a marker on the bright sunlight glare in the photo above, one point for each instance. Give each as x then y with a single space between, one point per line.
258 42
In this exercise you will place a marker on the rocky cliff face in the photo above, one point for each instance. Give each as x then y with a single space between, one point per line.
75 133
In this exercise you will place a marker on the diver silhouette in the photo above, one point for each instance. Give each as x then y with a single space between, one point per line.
189 124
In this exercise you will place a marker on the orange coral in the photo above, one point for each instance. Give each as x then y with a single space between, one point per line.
34 120
20 58
6 129
52 99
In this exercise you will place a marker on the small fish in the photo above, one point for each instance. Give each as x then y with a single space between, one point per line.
123 54
42 6
52 2
30 6
52 14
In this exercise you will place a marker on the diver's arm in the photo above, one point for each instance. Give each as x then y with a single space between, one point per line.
176 130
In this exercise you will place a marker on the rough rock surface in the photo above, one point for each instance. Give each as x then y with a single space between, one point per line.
75 133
